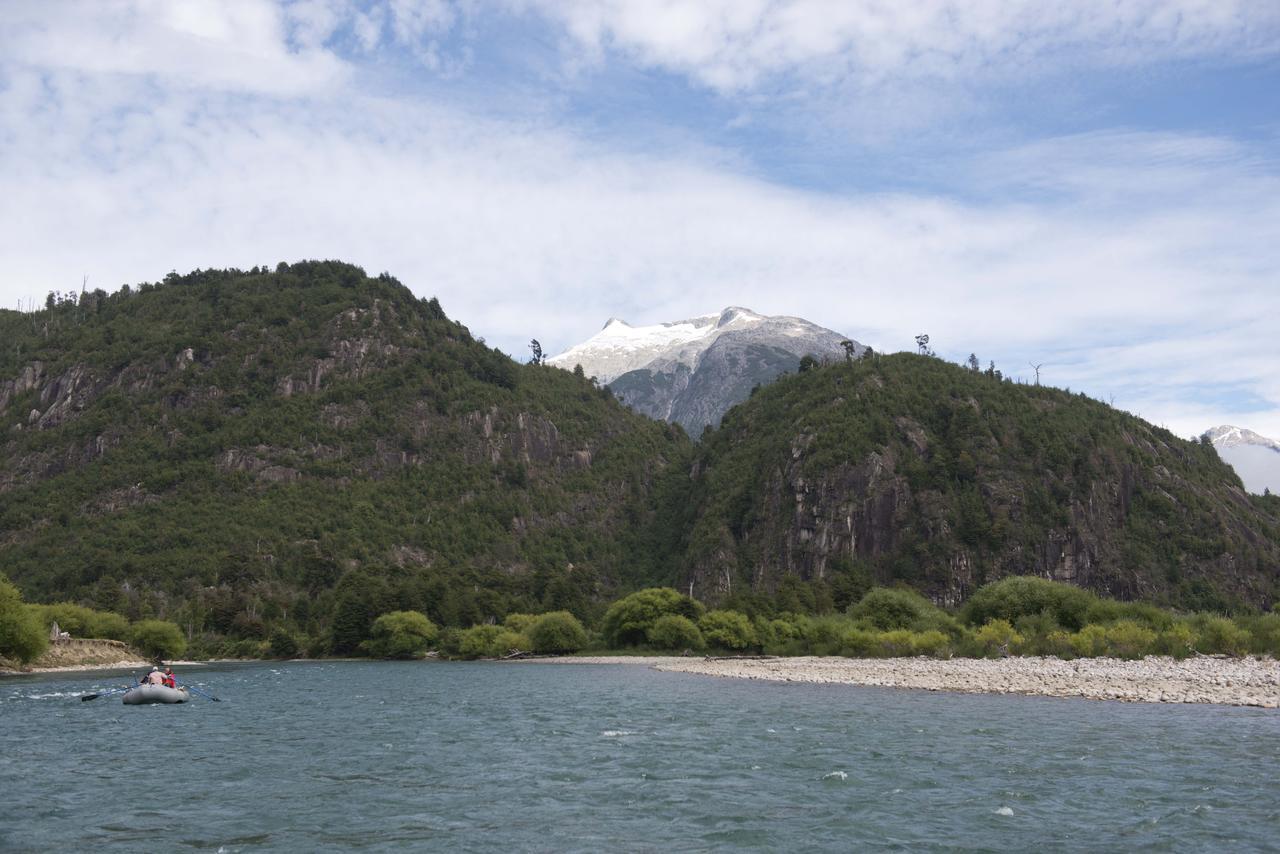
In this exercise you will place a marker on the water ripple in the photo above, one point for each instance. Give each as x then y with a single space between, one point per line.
483 757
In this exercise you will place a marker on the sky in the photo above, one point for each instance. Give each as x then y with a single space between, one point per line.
1093 187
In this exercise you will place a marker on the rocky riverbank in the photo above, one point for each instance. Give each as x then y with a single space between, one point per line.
1203 679
78 654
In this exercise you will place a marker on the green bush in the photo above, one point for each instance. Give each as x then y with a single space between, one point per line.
1090 642
105 624
401 634
478 641
316 646
282 643
450 642
158 639
1220 636
557 632
1127 639
783 631
627 622
997 637
932 642
675 632
519 622
82 622
1264 633
1111 611
821 635
1178 641
1036 630
1057 643
1023 595
727 629
489 642
898 643
243 648
23 636
888 609
860 643
783 637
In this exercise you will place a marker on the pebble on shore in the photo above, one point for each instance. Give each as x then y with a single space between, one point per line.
1156 679
1203 679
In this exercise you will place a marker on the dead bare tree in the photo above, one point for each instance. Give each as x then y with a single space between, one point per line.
1037 368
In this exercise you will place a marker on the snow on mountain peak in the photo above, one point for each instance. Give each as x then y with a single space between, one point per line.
736 315
1255 458
619 347
1227 436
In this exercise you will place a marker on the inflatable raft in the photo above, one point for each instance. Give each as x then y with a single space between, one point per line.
142 695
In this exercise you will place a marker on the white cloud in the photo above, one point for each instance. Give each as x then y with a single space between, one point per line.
314 22
1135 264
735 45
232 46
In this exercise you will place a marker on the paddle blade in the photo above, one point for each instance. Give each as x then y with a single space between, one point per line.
87 697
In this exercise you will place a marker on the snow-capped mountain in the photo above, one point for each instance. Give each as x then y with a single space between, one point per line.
692 371
1255 458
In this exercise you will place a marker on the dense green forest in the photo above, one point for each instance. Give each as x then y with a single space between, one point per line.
235 450
906 469
278 458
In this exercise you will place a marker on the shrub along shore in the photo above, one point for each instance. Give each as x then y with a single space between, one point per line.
1017 616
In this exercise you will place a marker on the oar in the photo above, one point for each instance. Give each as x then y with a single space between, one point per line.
201 693
88 697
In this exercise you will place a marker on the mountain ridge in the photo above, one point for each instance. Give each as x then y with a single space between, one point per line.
906 469
227 446
307 447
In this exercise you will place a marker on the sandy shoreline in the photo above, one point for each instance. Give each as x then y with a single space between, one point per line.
88 668
1204 679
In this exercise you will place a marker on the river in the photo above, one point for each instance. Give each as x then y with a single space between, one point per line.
339 756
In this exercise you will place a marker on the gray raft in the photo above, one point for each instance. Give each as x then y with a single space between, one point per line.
142 695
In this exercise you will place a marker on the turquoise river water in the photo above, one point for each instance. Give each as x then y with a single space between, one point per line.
341 756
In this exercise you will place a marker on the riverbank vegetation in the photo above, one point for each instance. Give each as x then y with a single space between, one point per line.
25 628
1021 615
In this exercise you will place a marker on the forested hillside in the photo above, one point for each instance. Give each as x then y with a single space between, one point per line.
294 452
908 469
233 450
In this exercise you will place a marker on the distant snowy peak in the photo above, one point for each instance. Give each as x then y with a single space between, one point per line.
692 371
619 347
1255 458
1227 436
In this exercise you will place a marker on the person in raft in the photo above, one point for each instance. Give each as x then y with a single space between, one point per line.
155 677
170 680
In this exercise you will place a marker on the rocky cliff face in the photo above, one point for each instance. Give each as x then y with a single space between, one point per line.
944 487
691 372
